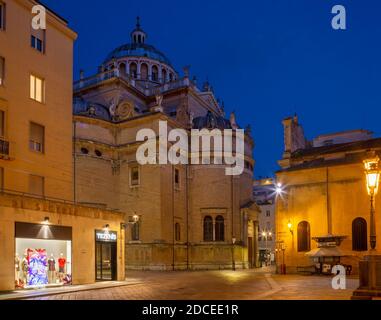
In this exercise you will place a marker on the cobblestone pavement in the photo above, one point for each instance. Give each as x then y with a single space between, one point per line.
217 285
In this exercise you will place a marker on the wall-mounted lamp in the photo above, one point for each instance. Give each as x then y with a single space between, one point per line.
279 189
46 221
106 228
289 226
234 240
135 218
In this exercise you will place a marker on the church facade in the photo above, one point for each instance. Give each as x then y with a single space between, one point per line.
191 216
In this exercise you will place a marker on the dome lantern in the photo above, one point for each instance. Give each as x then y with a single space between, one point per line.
138 36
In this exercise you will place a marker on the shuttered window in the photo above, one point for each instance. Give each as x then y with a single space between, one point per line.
36 185
37 137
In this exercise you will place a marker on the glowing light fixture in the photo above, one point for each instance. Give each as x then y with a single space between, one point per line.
372 173
289 226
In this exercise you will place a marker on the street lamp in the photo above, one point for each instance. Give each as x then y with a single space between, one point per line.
372 174
233 259
370 265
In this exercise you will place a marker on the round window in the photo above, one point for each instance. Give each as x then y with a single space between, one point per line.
84 151
98 153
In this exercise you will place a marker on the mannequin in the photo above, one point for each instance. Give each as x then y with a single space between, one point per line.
61 266
17 268
51 268
25 269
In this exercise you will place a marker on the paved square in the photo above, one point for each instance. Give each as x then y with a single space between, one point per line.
217 285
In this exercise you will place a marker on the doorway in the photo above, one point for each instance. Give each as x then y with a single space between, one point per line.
105 257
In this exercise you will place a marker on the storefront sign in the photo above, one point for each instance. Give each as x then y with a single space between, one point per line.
106 236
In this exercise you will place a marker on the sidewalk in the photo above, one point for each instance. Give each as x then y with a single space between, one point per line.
27 294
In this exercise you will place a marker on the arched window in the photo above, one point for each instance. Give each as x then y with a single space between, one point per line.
144 71
133 70
170 77
220 229
359 235
177 232
304 240
208 228
164 75
122 68
155 73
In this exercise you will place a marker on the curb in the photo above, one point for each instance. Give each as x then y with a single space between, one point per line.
21 296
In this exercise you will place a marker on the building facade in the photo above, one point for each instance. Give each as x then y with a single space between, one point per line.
45 238
323 213
191 216
264 191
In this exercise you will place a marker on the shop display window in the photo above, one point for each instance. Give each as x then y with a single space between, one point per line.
42 263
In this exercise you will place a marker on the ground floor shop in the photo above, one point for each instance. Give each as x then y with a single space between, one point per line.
51 244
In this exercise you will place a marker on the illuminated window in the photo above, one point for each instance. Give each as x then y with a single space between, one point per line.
134 176
2 16
37 88
2 70
208 228
304 237
36 185
37 137
359 235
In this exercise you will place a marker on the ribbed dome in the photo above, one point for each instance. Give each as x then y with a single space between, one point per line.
138 50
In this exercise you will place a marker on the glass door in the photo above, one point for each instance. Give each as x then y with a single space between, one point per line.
105 261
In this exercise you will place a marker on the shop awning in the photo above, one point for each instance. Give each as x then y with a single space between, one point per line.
326 252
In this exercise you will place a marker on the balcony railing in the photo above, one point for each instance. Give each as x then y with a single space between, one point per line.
4 148
136 83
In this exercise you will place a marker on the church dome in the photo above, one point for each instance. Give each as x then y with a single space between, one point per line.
138 48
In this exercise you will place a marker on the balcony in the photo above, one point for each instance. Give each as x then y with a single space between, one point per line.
4 149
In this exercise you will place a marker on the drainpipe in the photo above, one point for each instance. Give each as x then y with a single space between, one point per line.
74 162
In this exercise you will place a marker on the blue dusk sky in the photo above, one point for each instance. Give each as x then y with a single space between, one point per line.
266 59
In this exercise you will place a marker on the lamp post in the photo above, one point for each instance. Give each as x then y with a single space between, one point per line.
233 259
370 265
372 174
